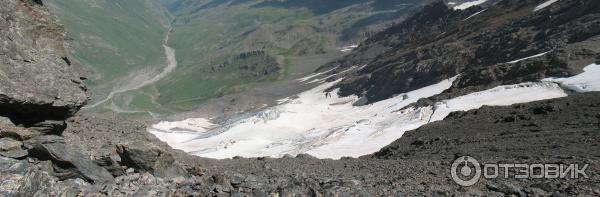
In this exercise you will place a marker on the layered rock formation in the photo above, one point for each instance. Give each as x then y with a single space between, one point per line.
39 82
39 88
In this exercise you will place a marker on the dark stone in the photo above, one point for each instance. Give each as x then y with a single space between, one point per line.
237 179
506 188
508 119
149 158
8 165
361 102
48 127
221 179
305 156
546 186
111 163
14 132
418 142
197 170
12 149
543 110
71 164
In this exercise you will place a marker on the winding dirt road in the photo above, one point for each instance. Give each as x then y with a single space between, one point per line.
171 65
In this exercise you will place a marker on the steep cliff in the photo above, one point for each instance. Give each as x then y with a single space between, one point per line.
38 79
40 87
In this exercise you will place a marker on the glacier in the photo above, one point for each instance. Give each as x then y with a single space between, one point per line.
328 126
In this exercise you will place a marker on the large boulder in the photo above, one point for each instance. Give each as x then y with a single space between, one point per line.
68 162
146 157
21 178
37 80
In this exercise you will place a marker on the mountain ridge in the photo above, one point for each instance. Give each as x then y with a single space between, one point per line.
475 54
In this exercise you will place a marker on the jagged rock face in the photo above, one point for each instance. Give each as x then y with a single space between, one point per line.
439 43
68 163
37 79
39 88
146 157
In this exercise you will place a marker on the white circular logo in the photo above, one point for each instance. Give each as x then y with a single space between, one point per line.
466 171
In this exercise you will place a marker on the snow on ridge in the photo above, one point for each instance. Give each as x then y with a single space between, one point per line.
466 5
526 58
544 5
314 75
499 96
413 118
588 81
475 14
348 48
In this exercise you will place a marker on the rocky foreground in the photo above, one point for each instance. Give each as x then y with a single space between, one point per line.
44 151
555 131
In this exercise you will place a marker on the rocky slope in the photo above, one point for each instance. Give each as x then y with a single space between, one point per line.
483 45
553 131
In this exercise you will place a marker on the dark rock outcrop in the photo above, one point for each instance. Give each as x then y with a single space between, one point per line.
39 89
146 157
9 130
37 78
12 148
533 130
67 162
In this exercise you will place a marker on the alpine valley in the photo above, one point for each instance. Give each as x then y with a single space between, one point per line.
297 97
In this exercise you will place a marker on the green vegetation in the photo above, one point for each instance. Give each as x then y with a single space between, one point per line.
121 41
114 38
208 33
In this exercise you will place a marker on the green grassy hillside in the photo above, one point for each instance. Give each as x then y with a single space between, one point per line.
117 40
208 33
222 46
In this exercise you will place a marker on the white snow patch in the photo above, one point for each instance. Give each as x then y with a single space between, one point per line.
331 127
544 5
499 96
314 75
348 48
177 132
533 56
473 15
587 81
469 4
305 124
